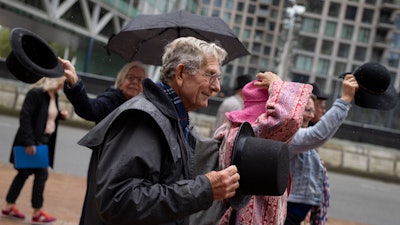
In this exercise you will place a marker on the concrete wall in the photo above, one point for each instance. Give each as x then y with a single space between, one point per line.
339 154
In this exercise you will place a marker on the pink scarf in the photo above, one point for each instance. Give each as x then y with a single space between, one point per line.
280 121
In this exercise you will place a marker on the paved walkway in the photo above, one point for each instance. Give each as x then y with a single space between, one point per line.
63 197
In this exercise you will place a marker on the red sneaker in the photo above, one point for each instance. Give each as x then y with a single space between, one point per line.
13 212
43 218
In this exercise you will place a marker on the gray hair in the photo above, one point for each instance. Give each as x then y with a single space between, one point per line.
47 83
190 52
124 72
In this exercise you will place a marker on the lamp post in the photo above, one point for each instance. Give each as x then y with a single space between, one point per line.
289 24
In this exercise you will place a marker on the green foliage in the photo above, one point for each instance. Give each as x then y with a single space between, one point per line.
5 47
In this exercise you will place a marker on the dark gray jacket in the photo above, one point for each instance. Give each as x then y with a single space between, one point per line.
140 172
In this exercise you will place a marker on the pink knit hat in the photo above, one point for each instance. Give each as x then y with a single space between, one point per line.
255 99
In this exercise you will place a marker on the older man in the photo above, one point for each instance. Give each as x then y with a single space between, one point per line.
142 172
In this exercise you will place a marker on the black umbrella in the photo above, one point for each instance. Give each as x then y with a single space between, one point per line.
144 37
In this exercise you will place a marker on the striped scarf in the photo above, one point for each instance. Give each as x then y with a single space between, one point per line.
182 114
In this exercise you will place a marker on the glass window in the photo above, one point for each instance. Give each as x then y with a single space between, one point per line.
330 29
267 50
323 66
397 21
228 68
240 70
238 19
326 47
347 32
261 21
251 9
204 11
303 62
236 30
263 10
240 7
229 5
215 12
372 2
334 9
393 59
254 60
227 17
269 38
343 50
363 35
351 12
256 48
272 26
264 63
340 68
360 53
252 70
274 14
368 15
310 25
395 40
217 3
315 6
259 35
249 21
307 43
246 34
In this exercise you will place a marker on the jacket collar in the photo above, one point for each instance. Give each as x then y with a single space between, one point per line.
157 96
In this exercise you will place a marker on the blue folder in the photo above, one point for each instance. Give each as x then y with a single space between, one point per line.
39 160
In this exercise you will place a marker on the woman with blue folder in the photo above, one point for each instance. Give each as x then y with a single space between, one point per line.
38 127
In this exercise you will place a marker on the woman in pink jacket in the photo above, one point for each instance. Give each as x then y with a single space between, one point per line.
274 109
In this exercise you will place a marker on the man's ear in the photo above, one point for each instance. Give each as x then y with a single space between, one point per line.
179 73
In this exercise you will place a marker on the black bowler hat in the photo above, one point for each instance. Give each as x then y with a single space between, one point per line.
242 80
263 166
318 93
375 89
31 57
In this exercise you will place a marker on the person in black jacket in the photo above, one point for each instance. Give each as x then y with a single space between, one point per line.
127 85
142 169
38 126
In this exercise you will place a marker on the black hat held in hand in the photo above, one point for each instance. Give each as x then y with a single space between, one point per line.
375 89
318 93
31 57
263 166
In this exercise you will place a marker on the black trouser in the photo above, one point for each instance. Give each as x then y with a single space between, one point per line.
39 182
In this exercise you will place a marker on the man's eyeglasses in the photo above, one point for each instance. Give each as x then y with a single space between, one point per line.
212 77
132 78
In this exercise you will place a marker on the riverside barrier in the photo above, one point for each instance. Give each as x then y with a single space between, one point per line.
339 154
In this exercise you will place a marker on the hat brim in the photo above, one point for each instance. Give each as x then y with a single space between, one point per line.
384 101
239 200
31 57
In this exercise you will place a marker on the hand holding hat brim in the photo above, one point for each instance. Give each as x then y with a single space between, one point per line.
375 87
31 57
263 166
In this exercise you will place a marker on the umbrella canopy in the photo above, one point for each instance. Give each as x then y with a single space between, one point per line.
144 37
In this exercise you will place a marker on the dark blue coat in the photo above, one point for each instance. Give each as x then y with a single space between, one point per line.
93 109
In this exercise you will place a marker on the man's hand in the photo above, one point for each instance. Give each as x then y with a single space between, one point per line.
224 183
